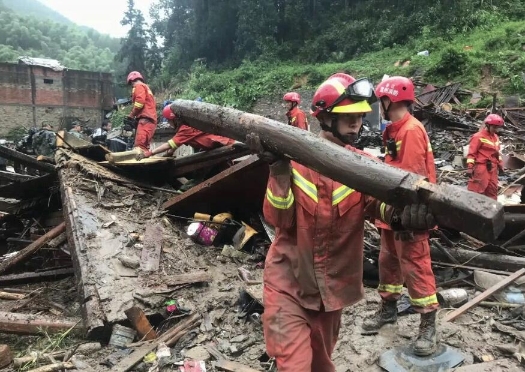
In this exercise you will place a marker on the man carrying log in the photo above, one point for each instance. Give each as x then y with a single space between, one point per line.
405 257
314 267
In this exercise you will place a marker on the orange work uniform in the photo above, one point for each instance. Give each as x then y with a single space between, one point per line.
145 110
187 135
297 118
408 261
485 159
313 268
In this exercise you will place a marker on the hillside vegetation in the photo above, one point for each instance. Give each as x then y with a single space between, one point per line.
233 52
40 36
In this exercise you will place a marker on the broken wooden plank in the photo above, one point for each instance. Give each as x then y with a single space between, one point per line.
11 296
116 157
28 324
150 259
28 189
190 278
242 186
14 177
138 354
87 349
54 367
485 294
477 259
452 206
231 366
26 160
92 313
31 248
201 160
39 276
59 240
141 324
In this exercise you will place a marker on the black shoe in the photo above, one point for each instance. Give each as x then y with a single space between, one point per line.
426 342
387 314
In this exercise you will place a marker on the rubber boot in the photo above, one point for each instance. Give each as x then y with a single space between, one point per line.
426 342
386 314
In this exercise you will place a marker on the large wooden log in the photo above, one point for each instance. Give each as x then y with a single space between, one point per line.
7 153
453 207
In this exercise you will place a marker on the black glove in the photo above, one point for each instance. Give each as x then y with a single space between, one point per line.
470 172
417 217
256 147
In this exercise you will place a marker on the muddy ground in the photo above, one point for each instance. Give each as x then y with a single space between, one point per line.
241 339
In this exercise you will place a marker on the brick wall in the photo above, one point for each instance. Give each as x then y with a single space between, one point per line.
30 95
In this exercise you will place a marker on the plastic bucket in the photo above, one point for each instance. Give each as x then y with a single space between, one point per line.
122 336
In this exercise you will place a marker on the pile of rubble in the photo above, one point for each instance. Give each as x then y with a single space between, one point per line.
170 278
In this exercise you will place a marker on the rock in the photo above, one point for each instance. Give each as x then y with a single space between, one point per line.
197 353
6 357
239 339
130 261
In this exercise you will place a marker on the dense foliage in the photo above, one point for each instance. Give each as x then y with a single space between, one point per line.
75 47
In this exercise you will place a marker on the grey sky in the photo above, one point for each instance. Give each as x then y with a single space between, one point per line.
102 15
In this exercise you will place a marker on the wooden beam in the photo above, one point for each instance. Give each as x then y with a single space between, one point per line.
30 188
41 276
26 160
242 185
29 324
15 177
91 307
452 206
31 248
482 296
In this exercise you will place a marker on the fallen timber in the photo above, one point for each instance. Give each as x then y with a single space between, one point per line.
452 206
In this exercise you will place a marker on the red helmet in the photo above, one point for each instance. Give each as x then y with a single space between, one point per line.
134 75
494 119
397 88
292 97
167 113
329 97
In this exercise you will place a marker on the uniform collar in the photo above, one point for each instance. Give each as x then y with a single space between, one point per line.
293 111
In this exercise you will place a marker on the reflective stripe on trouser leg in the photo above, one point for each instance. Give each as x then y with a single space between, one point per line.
390 277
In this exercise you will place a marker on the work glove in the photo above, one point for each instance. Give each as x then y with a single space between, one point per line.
253 142
143 154
470 172
501 171
414 217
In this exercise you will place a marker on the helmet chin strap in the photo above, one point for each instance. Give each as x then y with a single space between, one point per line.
334 129
386 116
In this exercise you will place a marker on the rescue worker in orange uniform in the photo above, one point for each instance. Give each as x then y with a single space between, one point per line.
295 115
187 135
144 110
405 258
314 267
484 159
